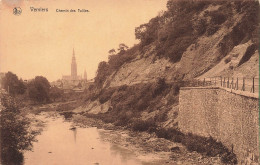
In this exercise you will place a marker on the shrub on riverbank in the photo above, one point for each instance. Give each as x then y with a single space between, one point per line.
67 115
204 145
141 125
127 103
16 135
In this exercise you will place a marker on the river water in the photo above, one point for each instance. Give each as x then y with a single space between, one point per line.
59 145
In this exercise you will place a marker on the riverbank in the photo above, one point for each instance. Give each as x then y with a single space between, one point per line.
146 146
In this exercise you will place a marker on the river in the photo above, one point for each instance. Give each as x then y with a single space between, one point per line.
58 144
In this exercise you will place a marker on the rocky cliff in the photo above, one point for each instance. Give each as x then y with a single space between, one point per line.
217 39
191 40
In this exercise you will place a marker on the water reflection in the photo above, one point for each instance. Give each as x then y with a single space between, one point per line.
124 154
60 145
75 134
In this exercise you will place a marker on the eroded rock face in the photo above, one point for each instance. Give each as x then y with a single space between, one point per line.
229 66
207 58
141 70
96 107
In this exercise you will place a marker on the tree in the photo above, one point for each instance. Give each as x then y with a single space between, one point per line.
102 73
140 31
16 134
161 85
122 47
11 83
147 33
112 51
55 93
38 89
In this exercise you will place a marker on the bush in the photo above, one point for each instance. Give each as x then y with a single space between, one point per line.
170 134
141 125
200 26
217 18
212 29
229 158
16 135
162 116
105 95
227 60
123 119
203 145
67 106
67 115
160 87
209 147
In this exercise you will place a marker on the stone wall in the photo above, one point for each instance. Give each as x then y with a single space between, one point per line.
226 116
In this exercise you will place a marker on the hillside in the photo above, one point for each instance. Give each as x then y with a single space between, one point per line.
191 40
138 87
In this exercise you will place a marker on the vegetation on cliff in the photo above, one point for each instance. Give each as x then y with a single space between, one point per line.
176 29
210 29
128 102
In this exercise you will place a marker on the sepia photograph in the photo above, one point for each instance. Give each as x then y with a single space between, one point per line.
129 82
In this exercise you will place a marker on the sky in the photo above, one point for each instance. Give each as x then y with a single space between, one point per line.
41 43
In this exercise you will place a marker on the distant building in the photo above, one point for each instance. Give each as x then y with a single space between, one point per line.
74 75
73 82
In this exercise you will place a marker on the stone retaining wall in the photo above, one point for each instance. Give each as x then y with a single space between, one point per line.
228 117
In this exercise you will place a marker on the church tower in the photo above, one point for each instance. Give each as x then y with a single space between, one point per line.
73 67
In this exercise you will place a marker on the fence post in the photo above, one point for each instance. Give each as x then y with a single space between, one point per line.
237 83
253 87
243 87
215 81
232 83
228 83
221 81
224 83
204 82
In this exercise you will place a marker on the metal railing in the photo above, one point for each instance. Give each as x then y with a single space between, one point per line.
235 83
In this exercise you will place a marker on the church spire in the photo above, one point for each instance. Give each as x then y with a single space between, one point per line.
73 66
